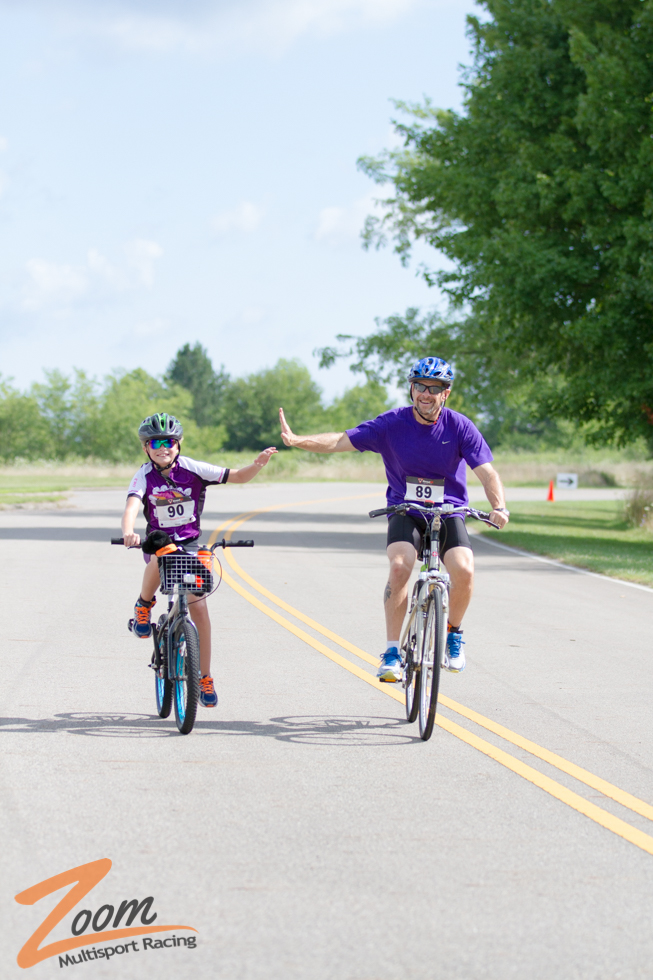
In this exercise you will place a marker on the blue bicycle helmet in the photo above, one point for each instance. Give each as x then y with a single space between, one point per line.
434 368
160 426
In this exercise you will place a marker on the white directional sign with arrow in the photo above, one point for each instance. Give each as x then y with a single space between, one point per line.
567 481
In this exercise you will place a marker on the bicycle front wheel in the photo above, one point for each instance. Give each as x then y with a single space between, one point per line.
431 661
411 670
186 682
162 686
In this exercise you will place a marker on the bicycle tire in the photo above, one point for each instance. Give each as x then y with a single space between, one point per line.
186 685
411 671
431 662
162 686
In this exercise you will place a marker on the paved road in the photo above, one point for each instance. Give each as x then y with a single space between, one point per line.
302 828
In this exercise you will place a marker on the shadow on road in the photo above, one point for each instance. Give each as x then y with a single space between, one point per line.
308 729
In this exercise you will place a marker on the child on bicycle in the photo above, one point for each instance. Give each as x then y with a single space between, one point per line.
172 489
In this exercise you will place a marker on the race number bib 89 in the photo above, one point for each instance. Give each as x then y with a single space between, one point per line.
175 512
424 491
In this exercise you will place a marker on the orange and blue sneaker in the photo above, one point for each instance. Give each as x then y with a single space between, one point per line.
208 697
140 625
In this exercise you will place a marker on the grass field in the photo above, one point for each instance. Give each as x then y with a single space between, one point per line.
592 535
30 485
595 468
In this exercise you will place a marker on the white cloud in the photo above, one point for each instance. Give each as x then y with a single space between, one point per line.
52 284
141 255
100 265
4 143
341 225
57 285
216 24
245 218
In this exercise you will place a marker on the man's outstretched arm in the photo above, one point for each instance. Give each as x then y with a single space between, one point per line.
324 442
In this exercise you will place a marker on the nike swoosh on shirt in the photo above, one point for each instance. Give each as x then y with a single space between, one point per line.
445 441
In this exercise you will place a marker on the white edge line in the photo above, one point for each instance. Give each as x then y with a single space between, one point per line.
561 564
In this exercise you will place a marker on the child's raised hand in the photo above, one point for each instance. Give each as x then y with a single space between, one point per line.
264 458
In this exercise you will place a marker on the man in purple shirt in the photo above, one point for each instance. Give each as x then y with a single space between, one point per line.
426 440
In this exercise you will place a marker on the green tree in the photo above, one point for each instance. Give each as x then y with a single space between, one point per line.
128 398
192 369
541 195
24 433
489 388
357 404
68 410
251 405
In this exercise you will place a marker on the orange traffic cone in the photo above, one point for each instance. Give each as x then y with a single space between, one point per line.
550 495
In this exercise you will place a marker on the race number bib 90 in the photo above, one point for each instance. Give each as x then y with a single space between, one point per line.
175 512
424 491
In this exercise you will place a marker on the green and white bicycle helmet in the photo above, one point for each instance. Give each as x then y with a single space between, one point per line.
160 426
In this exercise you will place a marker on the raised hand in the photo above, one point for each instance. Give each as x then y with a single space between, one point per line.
286 432
263 458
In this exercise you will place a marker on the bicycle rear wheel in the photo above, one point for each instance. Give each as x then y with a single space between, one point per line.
162 686
411 670
186 682
431 660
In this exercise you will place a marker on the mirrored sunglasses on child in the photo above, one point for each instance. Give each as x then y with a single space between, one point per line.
162 443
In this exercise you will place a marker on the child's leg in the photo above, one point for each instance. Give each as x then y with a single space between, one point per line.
151 580
199 613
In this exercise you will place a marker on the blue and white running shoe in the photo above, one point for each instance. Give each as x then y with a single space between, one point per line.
454 657
390 666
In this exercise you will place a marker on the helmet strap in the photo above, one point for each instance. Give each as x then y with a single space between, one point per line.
430 421
162 468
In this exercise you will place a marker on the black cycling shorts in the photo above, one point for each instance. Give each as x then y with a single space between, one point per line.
410 528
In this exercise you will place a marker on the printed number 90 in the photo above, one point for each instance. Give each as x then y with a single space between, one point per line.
178 510
423 491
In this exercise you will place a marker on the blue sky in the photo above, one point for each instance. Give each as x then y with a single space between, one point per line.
180 171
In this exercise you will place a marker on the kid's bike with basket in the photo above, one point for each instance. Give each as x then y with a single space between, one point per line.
176 657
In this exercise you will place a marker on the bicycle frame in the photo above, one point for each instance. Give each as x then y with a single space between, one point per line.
177 610
431 577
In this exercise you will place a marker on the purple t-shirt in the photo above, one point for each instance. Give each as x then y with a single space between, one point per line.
408 448
176 509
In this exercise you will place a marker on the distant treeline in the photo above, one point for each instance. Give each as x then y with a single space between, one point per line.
82 417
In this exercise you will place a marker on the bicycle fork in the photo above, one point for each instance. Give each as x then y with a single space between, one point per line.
433 582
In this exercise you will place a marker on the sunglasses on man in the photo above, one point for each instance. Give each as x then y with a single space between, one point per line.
431 389
162 443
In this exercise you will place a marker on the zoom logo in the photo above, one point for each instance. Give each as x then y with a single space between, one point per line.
107 924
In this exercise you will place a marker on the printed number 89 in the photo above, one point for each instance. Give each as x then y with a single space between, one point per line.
423 491
172 510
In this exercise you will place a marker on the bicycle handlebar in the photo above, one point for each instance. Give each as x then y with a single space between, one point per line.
219 544
479 515
233 544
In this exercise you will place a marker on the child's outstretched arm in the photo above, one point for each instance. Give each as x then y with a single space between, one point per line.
247 473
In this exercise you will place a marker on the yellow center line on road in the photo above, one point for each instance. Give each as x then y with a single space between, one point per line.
559 762
595 813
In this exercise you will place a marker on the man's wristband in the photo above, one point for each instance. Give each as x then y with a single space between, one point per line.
502 510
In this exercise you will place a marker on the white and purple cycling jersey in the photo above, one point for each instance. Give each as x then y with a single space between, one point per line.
176 506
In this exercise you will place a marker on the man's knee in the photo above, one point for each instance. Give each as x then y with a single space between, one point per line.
459 562
401 565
